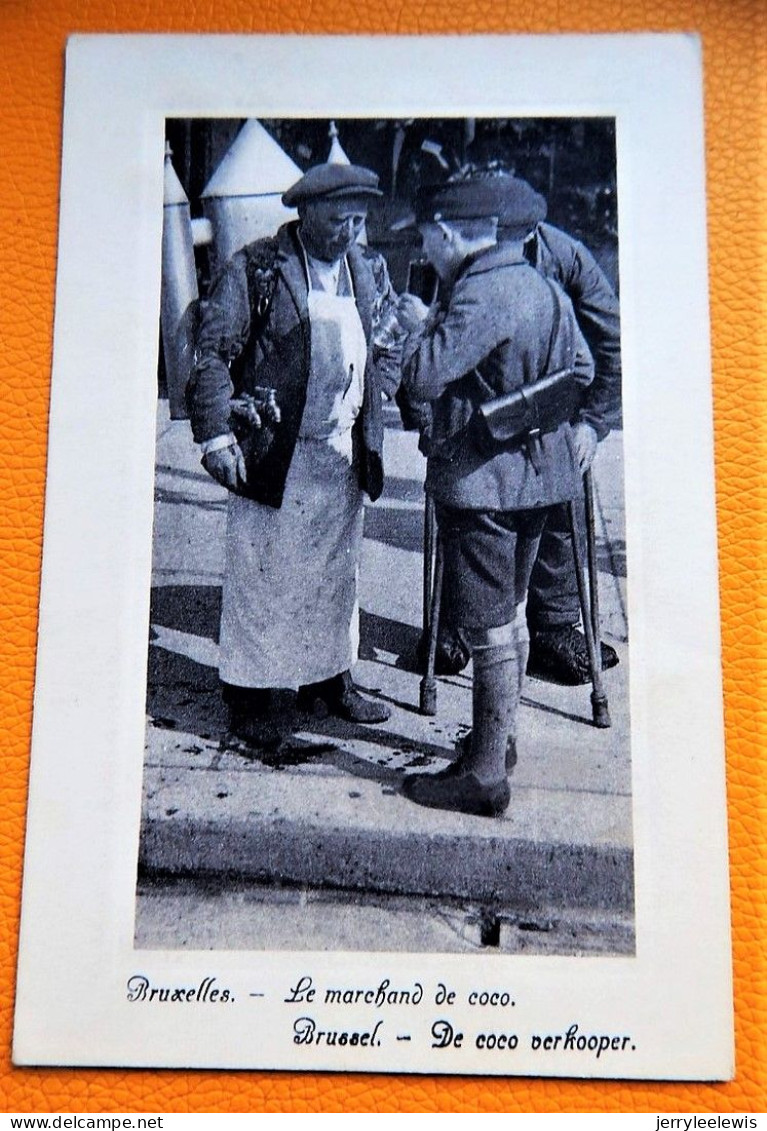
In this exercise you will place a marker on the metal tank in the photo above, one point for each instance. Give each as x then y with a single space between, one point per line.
242 198
179 294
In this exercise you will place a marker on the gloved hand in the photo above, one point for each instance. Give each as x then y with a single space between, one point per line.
585 441
227 466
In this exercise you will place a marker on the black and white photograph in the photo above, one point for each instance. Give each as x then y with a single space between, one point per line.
389 541
378 713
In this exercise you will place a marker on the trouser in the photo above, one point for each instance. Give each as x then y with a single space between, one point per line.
552 599
552 594
489 557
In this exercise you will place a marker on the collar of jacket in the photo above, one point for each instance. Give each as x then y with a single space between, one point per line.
490 259
290 263
551 251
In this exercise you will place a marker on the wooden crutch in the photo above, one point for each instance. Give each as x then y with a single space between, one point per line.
432 599
589 601
591 552
429 538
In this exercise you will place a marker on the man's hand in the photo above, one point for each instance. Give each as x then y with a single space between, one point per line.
585 441
227 466
411 312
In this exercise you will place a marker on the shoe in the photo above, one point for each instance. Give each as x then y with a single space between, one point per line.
338 696
451 656
463 747
459 791
560 655
255 728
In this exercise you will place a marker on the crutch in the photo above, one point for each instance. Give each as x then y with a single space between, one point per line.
591 551
590 600
432 598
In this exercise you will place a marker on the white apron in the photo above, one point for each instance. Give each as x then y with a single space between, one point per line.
289 610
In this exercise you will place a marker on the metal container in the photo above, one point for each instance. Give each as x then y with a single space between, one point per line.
242 199
179 293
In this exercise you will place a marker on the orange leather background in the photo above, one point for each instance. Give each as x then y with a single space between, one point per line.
734 33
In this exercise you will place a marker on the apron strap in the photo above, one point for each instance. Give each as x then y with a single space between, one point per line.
344 265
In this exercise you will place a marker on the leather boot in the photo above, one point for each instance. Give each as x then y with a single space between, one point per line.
452 654
459 790
338 696
477 783
560 655
463 748
251 719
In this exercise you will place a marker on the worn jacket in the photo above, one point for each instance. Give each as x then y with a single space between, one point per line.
565 260
254 331
504 326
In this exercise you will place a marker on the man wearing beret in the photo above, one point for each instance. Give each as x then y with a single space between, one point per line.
503 326
558 649
296 314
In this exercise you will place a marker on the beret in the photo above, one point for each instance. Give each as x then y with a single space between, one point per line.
329 181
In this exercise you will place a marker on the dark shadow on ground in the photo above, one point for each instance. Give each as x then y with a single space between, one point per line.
611 557
187 608
405 490
401 527
181 473
180 499
386 635
409 754
183 695
545 709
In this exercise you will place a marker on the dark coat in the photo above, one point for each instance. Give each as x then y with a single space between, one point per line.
255 331
504 326
565 260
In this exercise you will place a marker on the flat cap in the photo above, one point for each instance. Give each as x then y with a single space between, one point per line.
520 207
510 200
456 200
329 181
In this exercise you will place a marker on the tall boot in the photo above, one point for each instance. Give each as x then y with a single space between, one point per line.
463 746
523 654
495 694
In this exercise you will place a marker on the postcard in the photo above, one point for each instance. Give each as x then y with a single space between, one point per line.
378 719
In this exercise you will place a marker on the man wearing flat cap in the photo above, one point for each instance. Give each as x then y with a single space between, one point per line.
296 315
502 327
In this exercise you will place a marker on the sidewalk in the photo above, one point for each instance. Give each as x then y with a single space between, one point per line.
333 816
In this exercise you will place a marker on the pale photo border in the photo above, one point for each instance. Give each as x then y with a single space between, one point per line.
76 950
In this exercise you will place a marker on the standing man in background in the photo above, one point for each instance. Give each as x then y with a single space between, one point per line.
557 647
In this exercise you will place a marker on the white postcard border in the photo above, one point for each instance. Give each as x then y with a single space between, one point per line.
675 997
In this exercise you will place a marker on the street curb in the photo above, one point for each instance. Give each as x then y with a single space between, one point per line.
508 872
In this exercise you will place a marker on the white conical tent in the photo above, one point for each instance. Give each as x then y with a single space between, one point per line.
243 197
